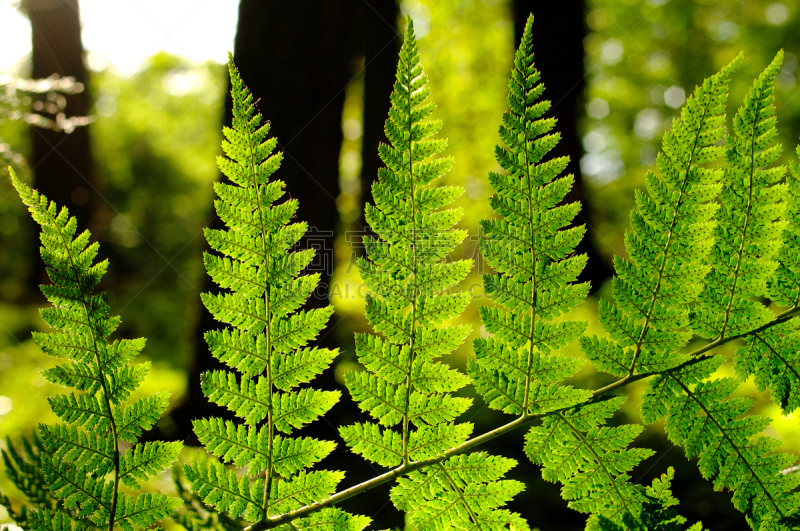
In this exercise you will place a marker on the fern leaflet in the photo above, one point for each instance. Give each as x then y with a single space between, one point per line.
81 451
265 344
773 355
411 298
671 235
701 414
518 369
748 233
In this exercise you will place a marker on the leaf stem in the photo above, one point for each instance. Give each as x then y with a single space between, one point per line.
415 292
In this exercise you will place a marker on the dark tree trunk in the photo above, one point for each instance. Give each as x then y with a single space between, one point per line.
558 33
382 43
62 163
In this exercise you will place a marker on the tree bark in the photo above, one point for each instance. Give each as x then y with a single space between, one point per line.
558 32
62 163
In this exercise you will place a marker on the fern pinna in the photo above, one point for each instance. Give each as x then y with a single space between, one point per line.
411 298
517 369
701 414
79 454
265 342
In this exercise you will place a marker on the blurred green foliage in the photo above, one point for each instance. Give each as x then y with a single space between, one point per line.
644 57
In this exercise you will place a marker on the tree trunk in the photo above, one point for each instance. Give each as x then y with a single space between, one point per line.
382 43
558 33
62 164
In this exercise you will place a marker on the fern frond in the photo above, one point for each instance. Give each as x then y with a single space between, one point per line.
671 234
658 511
592 461
784 285
82 451
410 302
224 490
46 520
266 342
145 460
23 467
145 509
516 369
701 414
304 488
463 492
772 355
63 441
88 496
748 232
708 423
333 519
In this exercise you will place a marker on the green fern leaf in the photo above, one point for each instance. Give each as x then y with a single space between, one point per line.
381 446
145 509
225 490
333 519
516 369
748 233
266 342
658 512
304 488
45 520
708 423
592 461
701 414
463 492
145 460
772 355
410 303
88 496
23 467
784 285
66 442
79 454
671 234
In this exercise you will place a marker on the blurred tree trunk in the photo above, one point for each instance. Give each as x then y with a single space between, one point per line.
381 45
558 32
62 163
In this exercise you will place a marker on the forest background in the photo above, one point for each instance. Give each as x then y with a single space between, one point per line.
139 176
